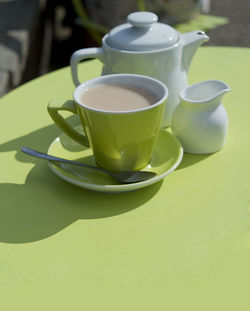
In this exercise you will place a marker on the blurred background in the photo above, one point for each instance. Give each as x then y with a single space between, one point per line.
39 36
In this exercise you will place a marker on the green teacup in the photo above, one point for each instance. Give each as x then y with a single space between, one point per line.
121 140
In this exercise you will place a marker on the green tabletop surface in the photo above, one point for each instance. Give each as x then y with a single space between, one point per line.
180 244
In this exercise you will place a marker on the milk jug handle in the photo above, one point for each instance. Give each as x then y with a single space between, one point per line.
80 55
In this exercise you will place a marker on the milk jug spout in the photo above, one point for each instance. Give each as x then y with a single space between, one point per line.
216 89
191 41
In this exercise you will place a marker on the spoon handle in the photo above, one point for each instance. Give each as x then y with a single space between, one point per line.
46 156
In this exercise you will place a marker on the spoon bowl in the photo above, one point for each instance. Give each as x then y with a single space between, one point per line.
122 177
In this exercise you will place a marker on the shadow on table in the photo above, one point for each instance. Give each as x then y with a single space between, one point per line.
191 159
45 204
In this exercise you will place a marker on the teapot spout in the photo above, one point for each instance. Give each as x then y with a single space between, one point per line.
191 41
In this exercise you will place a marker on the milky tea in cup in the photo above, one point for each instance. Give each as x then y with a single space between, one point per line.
121 115
111 97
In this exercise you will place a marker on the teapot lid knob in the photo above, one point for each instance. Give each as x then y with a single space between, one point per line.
142 19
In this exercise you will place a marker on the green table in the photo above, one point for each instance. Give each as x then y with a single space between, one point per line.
180 244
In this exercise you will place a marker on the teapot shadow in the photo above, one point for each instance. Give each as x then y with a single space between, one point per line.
44 205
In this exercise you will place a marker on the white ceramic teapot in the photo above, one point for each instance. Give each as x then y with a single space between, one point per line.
143 46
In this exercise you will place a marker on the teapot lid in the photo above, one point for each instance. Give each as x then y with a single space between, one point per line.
142 33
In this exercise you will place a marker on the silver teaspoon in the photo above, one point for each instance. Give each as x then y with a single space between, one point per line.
123 177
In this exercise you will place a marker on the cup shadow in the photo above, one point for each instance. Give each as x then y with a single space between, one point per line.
45 204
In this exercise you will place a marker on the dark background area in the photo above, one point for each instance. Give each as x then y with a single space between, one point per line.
235 33
38 36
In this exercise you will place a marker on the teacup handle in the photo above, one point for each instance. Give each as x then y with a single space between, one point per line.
80 55
59 105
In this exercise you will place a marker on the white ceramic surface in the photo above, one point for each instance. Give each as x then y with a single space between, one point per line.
156 50
139 34
200 121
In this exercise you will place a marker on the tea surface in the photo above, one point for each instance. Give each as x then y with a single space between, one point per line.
110 97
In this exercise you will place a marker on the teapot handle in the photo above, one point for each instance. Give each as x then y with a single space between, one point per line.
80 55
